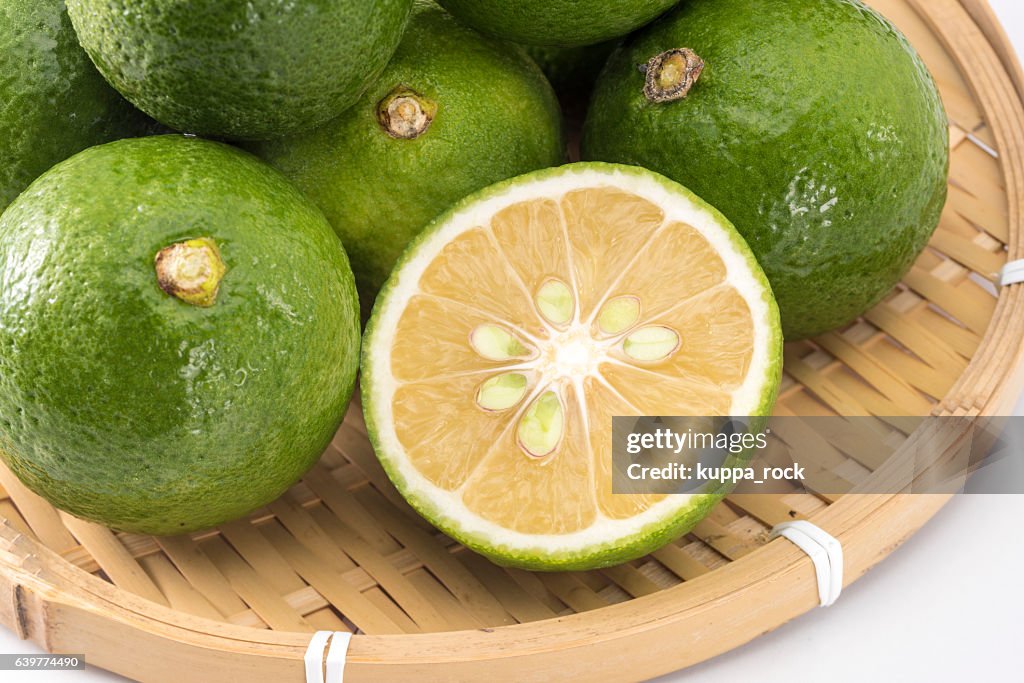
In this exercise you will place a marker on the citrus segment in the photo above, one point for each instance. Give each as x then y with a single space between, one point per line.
712 324
602 406
607 227
474 271
428 411
554 496
531 237
424 350
522 322
680 250
647 393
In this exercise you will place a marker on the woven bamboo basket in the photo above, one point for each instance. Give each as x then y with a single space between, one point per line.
342 551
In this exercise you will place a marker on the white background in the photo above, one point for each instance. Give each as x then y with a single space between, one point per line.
947 606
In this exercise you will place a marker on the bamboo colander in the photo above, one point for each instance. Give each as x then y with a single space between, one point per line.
341 550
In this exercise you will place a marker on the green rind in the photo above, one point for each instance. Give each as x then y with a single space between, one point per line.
800 102
240 69
124 405
53 102
497 117
648 538
563 23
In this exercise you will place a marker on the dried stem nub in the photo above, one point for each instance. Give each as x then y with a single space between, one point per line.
191 271
404 114
670 75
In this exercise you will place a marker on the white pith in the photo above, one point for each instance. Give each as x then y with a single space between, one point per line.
571 354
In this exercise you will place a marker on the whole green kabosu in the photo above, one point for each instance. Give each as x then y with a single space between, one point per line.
814 127
179 334
53 102
453 112
242 69
565 23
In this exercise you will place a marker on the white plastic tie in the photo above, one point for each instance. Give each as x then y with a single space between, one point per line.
1012 273
314 658
335 644
825 551
336 655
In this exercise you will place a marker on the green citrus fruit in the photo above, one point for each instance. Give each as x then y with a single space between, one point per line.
53 102
814 126
179 334
519 323
452 113
557 22
245 69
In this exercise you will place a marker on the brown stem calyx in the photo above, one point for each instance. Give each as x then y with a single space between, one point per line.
191 271
405 114
671 74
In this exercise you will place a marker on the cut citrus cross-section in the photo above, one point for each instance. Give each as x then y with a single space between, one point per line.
522 321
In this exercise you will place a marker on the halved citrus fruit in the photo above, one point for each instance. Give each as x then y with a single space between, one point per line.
519 323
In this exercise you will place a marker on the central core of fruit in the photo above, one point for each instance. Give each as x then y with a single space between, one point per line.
571 351
575 355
